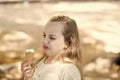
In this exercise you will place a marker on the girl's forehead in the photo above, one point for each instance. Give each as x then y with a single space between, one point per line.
54 27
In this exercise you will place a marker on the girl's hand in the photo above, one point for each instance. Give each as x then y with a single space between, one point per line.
26 69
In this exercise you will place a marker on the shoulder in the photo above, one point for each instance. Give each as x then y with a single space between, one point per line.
70 67
71 72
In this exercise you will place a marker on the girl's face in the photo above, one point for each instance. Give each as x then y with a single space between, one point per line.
53 39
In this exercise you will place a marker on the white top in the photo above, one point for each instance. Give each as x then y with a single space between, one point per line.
56 71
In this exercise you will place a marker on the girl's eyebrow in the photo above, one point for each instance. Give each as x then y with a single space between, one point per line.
43 32
50 34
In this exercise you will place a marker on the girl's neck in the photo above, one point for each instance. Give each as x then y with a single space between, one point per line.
50 60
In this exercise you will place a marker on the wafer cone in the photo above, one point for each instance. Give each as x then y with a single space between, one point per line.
29 53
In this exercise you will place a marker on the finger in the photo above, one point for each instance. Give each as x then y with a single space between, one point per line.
26 68
25 64
26 71
23 69
26 61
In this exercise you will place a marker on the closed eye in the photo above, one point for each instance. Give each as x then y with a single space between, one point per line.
44 35
52 38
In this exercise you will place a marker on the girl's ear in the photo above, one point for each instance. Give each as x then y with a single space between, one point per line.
65 47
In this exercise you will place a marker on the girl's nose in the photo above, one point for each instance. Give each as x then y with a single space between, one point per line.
45 41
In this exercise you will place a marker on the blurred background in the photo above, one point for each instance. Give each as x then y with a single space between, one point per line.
22 23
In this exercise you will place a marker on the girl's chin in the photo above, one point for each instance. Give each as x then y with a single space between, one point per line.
49 54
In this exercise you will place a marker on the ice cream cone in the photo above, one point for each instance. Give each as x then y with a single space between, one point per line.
29 53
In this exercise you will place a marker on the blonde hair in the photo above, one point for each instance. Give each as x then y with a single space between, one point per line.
72 40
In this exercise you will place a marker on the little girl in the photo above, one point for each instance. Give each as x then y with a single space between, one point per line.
61 48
